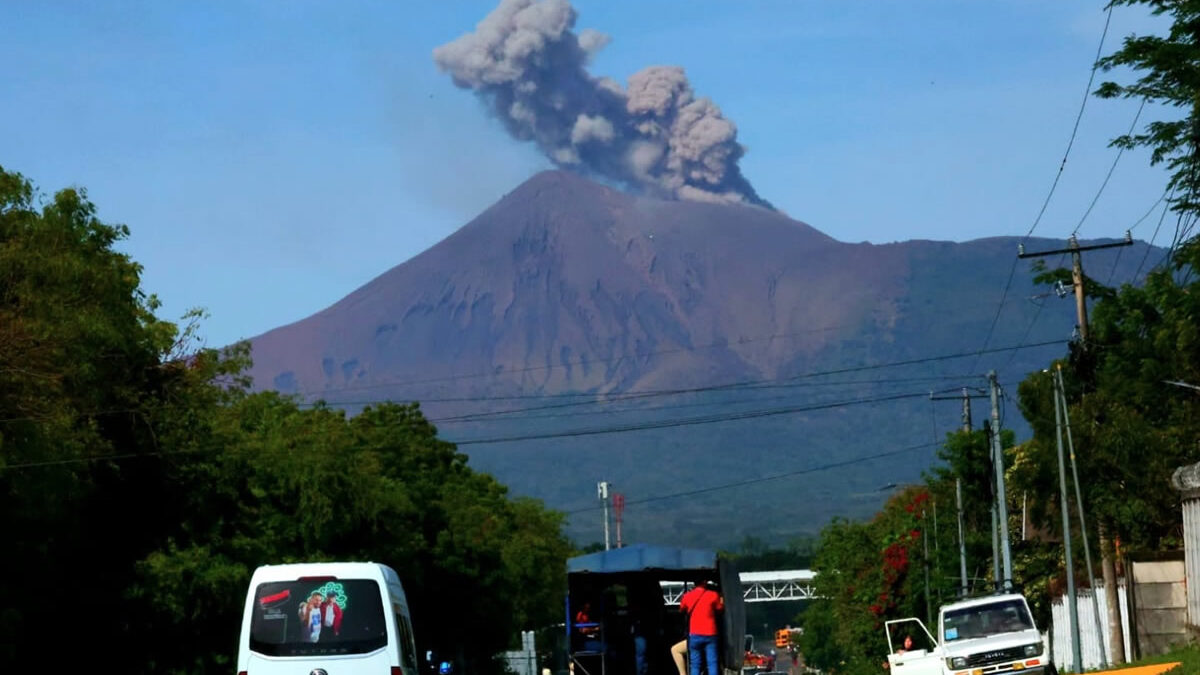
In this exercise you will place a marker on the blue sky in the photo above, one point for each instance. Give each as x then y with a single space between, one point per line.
272 157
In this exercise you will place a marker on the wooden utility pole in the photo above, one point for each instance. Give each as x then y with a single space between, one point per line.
1107 564
1076 250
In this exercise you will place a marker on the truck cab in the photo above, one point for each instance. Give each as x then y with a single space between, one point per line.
990 635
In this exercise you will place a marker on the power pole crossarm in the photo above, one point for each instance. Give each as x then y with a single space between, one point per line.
1073 246
1076 250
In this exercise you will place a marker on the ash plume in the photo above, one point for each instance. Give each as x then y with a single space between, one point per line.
655 135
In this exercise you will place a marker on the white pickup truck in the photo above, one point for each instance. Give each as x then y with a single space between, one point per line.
991 635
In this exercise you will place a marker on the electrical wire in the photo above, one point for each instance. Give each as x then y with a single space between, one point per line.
659 424
1117 259
1150 247
605 398
99 458
396 383
1053 186
763 479
779 382
1111 169
689 421
470 417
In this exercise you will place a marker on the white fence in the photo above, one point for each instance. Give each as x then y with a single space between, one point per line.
1060 632
1191 540
524 660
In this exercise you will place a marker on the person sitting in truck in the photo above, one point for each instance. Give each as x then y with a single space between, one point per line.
679 656
588 629
905 646
583 621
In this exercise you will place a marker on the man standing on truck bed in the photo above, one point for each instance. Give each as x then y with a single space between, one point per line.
701 606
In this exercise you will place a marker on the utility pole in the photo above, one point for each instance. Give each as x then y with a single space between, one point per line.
1001 496
925 545
619 511
1060 391
1107 564
1072 606
602 492
997 571
962 542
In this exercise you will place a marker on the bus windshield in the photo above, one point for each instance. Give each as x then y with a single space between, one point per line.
316 618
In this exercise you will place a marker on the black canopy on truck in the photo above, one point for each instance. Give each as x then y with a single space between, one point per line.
623 592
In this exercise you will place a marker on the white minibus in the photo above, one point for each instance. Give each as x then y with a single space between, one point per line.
336 618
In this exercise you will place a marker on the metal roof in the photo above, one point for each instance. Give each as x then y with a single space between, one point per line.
640 557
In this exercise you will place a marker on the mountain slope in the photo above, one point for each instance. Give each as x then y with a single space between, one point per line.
565 286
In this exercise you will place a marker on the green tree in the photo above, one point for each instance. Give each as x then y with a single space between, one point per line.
80 383
309 484
1169 67
967 456
1131 428
142 483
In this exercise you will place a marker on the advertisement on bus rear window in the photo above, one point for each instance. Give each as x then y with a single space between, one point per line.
314 618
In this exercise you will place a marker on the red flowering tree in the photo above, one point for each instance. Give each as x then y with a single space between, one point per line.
869 573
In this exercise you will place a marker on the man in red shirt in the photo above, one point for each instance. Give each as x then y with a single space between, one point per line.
701 605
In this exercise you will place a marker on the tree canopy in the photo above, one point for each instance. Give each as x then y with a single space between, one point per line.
142 481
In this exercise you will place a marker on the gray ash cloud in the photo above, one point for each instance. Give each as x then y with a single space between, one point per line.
654 135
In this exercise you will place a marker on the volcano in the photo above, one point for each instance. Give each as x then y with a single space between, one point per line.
719 365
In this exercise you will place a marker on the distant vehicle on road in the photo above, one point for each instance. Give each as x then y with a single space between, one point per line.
348 618
754 662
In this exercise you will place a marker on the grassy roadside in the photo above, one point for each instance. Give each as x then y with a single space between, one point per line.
1188 658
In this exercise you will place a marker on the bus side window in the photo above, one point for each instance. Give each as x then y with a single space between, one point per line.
409 648
407 658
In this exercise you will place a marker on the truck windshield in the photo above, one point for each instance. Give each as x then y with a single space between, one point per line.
978 621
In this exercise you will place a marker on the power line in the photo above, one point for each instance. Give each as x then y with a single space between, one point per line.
691 421
500 370
604 398
1150 247
755 384
763 479
1054 185
1146 215
467 417
660 424
777 382
99 458
1111 169
1117 259
1087 92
